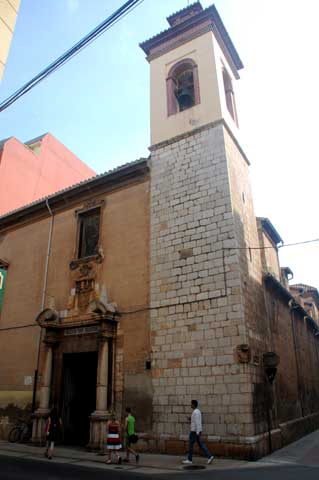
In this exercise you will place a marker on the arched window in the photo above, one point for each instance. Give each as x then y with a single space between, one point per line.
182 86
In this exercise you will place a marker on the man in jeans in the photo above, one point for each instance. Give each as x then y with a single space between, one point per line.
195 435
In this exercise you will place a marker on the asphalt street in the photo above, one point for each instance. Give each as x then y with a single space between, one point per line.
23 469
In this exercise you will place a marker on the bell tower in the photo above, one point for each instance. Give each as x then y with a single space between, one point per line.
202 271
194 66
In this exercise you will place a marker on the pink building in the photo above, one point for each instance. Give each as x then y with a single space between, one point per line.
35 169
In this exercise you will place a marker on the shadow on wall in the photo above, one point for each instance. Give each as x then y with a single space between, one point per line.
272 326
10 415
139 397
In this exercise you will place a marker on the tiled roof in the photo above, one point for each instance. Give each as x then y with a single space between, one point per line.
270 229
76 186
156 40
36 139
184 10
306 288
2 142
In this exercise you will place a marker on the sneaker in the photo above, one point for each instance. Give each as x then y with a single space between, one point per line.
187 462
209 461
137 458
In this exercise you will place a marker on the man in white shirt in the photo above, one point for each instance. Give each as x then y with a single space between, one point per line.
195 435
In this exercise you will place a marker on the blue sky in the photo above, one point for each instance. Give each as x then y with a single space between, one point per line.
98 103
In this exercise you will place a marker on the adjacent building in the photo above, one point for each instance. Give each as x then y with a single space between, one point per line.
8 16
35 169
154 283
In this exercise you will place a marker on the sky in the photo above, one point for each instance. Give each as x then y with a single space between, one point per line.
98 103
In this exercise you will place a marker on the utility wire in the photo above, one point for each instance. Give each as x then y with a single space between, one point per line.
279 246
144 309
298 243
66 56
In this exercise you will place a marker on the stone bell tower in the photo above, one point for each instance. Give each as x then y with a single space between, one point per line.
202 222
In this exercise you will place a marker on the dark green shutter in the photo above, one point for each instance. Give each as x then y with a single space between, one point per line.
3 275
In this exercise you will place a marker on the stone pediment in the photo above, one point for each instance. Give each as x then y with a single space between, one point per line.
47 317
97 312
96 306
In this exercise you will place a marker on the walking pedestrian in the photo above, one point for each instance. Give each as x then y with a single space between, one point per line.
130 435
52 427
195 435
113 440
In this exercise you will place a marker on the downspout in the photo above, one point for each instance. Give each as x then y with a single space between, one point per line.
45 281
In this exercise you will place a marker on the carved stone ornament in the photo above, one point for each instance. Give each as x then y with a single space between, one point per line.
85 262
243 353
97 306
92 203
85 269
47 316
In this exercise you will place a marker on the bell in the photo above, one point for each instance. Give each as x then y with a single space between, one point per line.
185 98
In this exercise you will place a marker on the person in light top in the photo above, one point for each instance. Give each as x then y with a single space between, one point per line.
195 435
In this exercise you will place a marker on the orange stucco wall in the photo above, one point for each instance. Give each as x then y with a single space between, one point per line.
28 175
123 274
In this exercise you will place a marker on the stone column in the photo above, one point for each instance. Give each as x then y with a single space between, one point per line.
46 382
101 414
42 412
102 376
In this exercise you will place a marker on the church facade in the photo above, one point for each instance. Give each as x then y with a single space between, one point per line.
155 284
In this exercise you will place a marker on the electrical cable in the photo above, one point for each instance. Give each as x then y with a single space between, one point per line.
144 309
74 50
279 246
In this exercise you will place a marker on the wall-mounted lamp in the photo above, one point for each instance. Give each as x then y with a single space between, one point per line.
270 364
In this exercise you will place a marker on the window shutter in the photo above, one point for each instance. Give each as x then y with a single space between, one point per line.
3 276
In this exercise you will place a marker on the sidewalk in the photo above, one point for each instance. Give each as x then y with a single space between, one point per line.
303 452
149 463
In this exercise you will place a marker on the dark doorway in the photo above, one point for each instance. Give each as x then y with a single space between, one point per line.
78 396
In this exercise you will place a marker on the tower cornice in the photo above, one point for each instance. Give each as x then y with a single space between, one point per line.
193 132
198 22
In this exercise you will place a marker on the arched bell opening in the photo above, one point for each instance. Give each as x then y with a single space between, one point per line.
182 86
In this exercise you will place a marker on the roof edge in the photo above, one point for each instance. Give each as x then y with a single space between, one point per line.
270 229
147 45
116 176
269 278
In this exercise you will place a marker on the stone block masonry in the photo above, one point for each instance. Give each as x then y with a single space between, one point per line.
197 316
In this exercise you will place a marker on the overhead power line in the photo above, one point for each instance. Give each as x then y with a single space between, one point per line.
298 243
66 56
279 246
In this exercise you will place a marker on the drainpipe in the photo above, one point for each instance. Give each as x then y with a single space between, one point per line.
45 281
